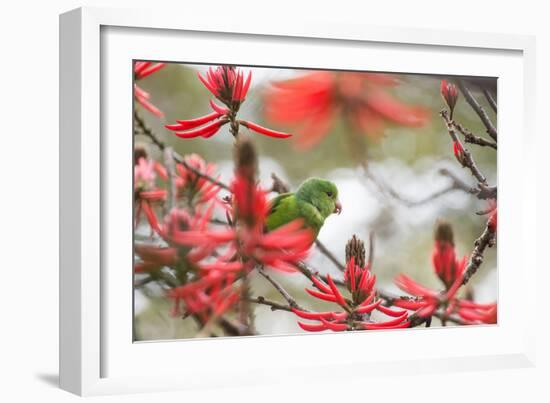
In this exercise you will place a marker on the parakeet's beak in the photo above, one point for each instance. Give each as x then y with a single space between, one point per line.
337 207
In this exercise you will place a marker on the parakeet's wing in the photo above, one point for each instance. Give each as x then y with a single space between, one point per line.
286 208
283 210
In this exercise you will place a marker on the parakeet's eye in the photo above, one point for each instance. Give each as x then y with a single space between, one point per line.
329 194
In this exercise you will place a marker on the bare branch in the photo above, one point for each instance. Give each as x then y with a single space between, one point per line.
171 171
471 138
275 306
492 101
146 131
324 250
278 185
467 161
371 250
481 192
291 301
487 239
478 109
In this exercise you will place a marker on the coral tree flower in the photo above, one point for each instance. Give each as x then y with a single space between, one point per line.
142 70
450 270
312 102
446 265
154 258
145 191
191 183
473 313
194 188
206 293
354 313
245 243
209 297
229 85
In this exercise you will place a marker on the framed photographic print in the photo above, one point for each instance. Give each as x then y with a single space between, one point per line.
249 200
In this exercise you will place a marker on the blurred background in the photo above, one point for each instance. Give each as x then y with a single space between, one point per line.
383 183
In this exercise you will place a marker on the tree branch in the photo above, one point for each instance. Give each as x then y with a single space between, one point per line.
467 160
486 239
324 250
171 171
371 250
478 109
275 306
492 101
146 131
471 138
291 301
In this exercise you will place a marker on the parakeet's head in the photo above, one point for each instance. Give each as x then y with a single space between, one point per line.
322 194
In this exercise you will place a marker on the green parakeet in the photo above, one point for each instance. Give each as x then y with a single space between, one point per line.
314 201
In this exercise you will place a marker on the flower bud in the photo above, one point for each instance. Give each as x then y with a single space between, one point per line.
140 151
356 248
492 224
446 265
246 159
458 151
449 93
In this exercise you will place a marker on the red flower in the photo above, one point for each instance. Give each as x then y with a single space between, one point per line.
229 86
473 313
192 186
458 151
493 217
145 173
449 93
355 313
446 265
197 188
426 301
154 258
245 244
142 70
445 262
448 268
312 103
493 221
208 297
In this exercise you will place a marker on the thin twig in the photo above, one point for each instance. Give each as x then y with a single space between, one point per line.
146 131
471 138
324 250
386 189
482 192
291 301
275 306
171 171
371 250
414 319
491 130
279 186
486 239
489 97
467 160
143 282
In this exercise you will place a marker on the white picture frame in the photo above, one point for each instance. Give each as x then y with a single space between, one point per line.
96 354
